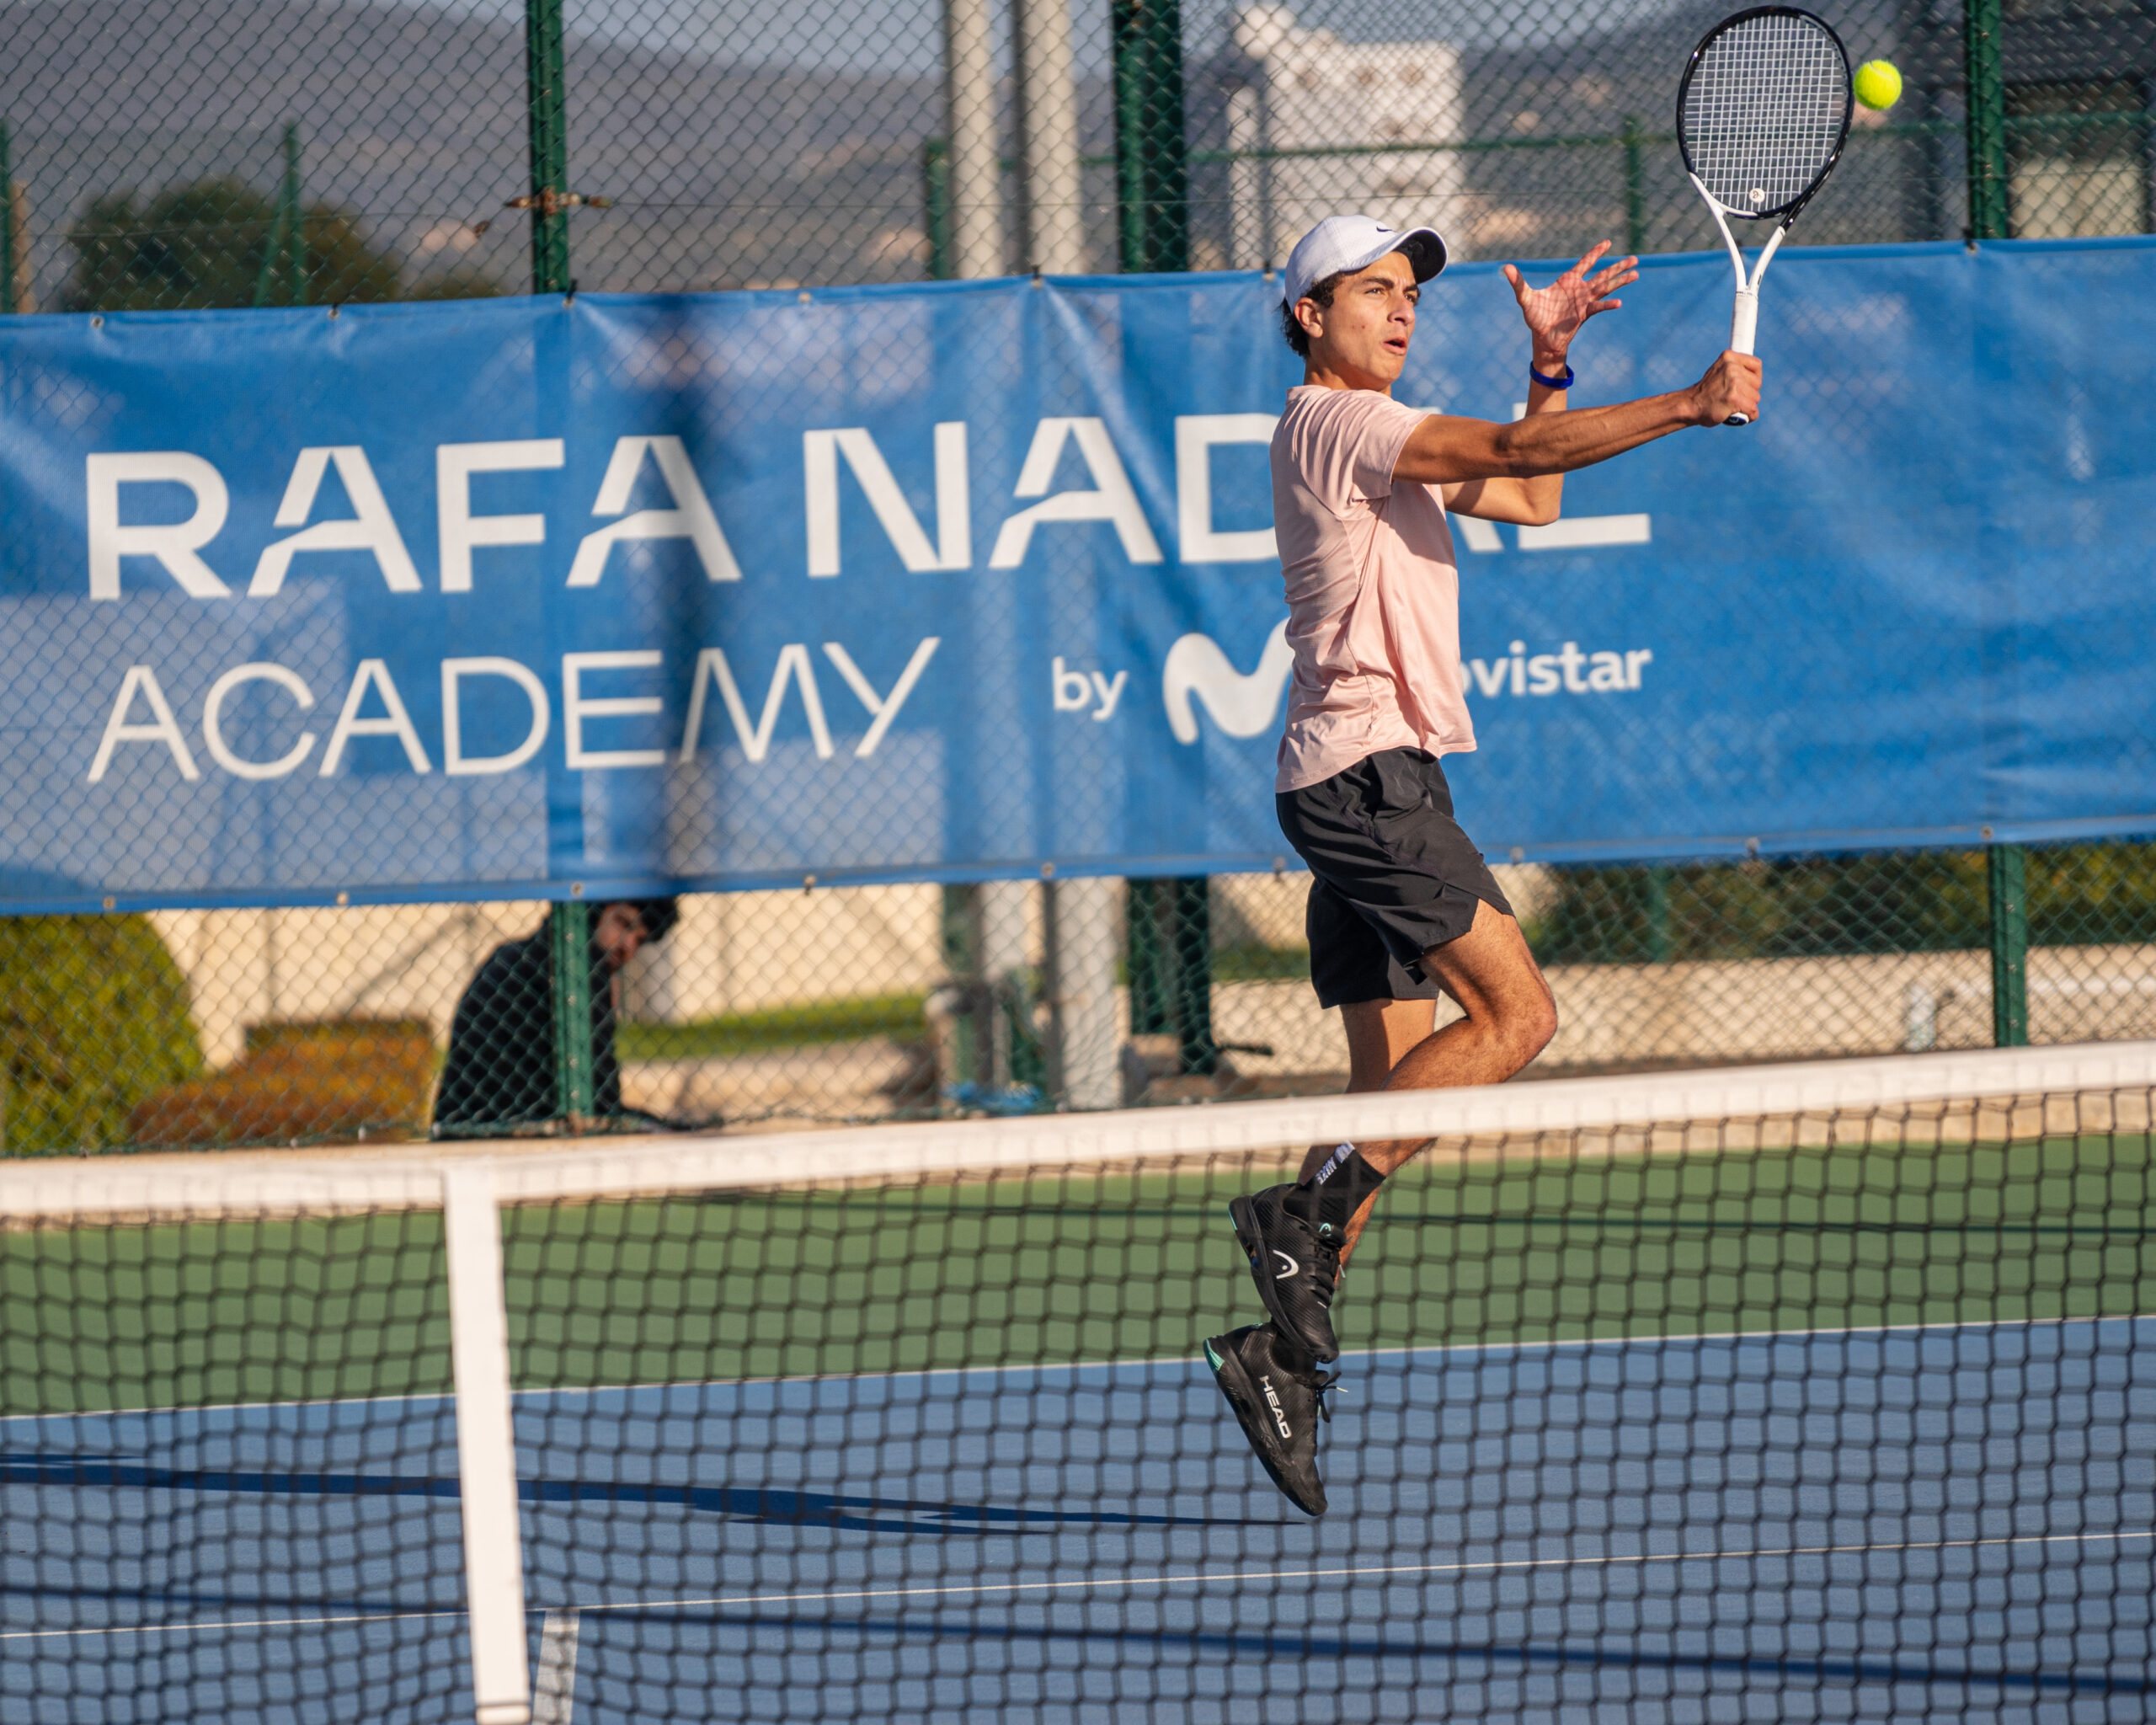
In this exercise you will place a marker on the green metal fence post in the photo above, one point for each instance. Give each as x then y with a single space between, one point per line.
284 253
1192 918
1635 190
1149 995
1661 945
1151 154
1987 119
570 925
1171 978
547 99
6 219
2007 875
547 114
2006 866
295 222
935 206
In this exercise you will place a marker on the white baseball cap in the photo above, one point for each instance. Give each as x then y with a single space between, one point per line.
1352 242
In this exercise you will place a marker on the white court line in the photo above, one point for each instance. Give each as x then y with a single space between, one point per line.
1490 1567
227 1623
1199 1577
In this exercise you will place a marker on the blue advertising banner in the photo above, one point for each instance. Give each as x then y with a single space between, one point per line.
969 580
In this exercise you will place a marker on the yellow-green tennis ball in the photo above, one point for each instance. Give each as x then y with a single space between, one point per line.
1878 85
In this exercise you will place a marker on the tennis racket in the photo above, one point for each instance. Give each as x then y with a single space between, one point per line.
1762 114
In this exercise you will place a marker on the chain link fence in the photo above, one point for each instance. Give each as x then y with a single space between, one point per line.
179 156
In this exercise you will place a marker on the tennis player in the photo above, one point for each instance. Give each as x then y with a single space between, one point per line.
1401 907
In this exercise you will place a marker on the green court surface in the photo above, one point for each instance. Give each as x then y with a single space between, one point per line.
1050 1267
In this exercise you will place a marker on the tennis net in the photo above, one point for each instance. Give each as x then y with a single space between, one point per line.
1778 1393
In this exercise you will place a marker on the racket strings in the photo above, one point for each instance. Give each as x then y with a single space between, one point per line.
1764 112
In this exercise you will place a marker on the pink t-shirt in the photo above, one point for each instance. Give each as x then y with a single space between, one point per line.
1372 589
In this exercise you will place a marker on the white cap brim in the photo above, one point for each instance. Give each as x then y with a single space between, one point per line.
1424 247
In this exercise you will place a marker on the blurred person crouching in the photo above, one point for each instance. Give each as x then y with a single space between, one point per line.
500 1075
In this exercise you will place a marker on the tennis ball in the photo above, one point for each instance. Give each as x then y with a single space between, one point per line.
1878 85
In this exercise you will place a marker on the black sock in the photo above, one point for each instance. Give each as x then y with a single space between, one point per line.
1337 1190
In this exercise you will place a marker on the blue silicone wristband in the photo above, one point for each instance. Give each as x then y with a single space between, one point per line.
1564 382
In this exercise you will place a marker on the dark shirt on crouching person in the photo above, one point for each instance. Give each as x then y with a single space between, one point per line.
501 1074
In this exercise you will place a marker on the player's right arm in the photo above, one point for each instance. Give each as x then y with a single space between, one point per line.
1444 450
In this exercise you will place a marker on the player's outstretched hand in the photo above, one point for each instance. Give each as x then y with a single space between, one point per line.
1555 314
1730 386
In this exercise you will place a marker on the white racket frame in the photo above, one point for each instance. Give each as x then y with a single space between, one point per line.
1744 314
1744 311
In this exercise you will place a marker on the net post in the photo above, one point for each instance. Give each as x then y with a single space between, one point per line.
1986 81
547 117
570 927
486 1447
2006 868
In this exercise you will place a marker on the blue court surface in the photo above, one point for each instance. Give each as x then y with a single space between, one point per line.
1949 1522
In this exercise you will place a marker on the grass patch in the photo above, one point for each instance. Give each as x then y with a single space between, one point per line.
903 1016
1257 964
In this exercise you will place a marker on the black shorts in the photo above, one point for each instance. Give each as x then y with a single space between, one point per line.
1393 875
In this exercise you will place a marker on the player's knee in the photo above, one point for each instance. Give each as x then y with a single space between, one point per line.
1529 1028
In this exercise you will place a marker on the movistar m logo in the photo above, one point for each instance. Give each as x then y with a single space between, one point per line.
1242 706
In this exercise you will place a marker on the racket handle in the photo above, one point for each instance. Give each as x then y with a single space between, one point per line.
1745 320
1743 330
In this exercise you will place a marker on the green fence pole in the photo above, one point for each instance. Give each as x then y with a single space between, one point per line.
1149 994
1987 119
1661 945
2006 866
1151 154
272 242
6 219
1171 974
295 223
935 206
547 116
1635 190
570 925
2007 875
547 100
1191 917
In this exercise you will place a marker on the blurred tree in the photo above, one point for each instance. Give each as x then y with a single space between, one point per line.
93 1017
204 245
1884 901
462 284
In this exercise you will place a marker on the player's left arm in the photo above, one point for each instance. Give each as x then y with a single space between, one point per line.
1555 315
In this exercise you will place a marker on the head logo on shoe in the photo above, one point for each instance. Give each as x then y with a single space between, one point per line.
1278 1403
1293 1267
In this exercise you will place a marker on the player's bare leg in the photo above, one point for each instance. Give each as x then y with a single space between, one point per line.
1510 1018
1297 1237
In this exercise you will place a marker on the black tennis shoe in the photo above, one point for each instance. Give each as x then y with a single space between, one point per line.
1296 1265
1278 1398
